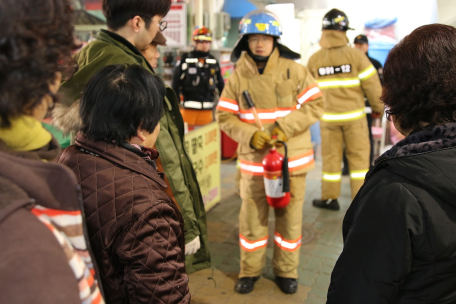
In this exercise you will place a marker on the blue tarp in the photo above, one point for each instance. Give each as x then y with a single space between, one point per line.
379 50
379 23
238 8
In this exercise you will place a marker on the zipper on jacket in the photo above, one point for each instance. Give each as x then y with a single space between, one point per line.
89 247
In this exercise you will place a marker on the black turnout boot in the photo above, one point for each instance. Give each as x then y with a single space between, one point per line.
331 204
245 285
287 285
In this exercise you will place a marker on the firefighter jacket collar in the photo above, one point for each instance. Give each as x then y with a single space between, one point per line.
333 39
251 66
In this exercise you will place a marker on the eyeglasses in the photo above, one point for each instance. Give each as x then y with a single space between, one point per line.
162 25
264 40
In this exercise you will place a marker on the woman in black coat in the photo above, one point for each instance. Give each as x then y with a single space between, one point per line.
400 231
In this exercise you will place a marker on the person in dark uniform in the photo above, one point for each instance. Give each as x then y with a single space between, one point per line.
197 77
362 43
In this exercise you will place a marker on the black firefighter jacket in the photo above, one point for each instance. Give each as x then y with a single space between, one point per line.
400 230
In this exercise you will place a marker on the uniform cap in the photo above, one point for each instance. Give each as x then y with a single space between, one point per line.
361 39
159 39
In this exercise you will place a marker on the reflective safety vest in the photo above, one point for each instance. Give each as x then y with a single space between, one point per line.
199 76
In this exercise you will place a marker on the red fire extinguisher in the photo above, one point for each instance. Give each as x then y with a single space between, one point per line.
276 178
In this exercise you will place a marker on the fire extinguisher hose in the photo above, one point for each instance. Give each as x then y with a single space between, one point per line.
285 171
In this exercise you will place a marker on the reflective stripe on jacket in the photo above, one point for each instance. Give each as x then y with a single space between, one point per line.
285 95
346 77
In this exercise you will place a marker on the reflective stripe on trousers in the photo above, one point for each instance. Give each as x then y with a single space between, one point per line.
252 245
360 174
286 244
354 136
253 228
332 177
336 177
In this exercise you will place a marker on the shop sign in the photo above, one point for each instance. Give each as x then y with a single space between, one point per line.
203 147
176 31
92 5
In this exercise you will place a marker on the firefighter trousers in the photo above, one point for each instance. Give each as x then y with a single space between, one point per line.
253 228
355 137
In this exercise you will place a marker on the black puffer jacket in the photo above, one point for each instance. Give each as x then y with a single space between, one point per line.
400 231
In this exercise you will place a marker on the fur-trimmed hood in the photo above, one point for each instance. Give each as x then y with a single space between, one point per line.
66 118
427 158
431 139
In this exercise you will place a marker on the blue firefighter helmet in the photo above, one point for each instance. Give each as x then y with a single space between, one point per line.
260 22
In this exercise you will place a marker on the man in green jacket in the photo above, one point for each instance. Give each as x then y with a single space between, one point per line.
132 25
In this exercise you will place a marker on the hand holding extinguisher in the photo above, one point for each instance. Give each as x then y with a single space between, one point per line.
279 136
260 138
275 166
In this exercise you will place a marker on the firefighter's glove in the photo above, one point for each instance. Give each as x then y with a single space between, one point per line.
376 115
193 246
277 131
260 140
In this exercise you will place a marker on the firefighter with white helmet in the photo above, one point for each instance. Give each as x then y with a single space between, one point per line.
346 76
197 77
288 101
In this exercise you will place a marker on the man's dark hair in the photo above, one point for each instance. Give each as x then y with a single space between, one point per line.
36 42
420 79
118 100
118 12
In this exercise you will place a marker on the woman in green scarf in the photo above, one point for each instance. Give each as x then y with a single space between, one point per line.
44 256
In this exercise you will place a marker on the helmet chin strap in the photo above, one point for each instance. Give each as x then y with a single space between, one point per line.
258 58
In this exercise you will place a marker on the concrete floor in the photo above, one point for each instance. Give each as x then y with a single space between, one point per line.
321 246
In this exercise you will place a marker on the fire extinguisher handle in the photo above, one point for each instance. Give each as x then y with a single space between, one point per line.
285 171
251 106
248 99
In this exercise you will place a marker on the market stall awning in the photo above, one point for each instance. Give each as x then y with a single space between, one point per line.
238 8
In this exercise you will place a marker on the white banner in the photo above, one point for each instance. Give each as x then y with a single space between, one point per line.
176 31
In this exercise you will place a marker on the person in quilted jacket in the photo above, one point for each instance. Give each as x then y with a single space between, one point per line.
135 229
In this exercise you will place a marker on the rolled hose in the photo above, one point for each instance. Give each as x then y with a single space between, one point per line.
285 171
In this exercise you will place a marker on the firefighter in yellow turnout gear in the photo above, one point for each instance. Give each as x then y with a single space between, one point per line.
288 102
345 76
